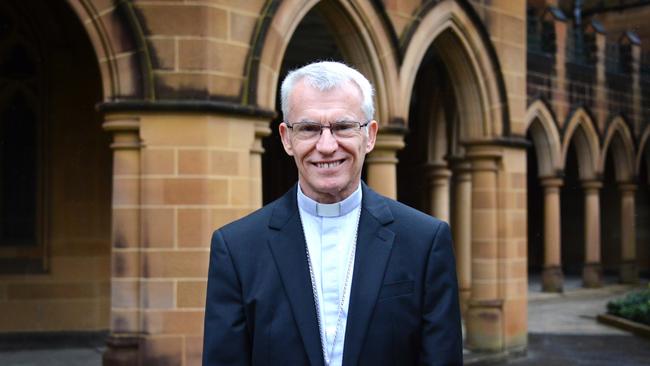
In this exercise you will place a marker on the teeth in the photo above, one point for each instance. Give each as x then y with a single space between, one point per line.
329 165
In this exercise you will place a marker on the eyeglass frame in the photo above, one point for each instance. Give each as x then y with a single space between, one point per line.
322 126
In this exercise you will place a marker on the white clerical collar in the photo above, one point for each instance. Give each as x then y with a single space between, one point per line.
332 209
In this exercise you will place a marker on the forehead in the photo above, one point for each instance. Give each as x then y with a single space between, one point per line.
308 102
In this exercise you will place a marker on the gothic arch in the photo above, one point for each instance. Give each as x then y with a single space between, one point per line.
448 27
364 41
546 138
120 48
581 128
619 138
643 152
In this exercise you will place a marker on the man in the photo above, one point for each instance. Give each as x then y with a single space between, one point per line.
331 273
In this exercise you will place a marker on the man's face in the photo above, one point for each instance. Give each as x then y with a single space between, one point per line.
329 167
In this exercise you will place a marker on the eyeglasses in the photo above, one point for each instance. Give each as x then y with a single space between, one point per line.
312 130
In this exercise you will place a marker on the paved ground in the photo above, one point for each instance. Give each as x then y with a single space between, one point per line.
52 357
562 331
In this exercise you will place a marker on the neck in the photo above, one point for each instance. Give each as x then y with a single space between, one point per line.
328 198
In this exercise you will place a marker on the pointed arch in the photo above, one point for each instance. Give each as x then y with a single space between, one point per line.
120 48
619 138
546 138
360 32
643 152
448 27
581 128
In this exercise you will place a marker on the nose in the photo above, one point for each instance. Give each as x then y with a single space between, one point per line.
327 143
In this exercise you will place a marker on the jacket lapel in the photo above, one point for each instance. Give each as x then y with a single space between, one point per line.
289 252
374 245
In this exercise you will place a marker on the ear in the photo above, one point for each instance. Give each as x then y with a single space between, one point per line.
284 136
373 127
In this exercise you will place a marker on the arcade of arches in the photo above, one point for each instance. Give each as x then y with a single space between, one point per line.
140 127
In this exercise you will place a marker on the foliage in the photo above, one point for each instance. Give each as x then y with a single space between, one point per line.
634 306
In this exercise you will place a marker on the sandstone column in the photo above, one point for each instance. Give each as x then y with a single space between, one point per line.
629 272
123 341
382 161
439 190
552 278
462 228
262 130
484 319
592 271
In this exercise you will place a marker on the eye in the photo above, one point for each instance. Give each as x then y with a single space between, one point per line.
306 127
344 126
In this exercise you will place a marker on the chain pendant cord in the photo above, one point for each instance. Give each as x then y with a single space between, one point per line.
323 339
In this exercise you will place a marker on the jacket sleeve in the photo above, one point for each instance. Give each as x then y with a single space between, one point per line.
442 342
226 339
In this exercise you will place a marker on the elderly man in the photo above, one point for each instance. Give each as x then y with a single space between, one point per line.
331 273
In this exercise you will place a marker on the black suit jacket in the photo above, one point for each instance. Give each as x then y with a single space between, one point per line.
403 302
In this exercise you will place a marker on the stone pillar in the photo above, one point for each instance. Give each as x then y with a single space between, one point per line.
462 228
552 278
484 318
439 190
629 272
262 130
382 161
592 270
125 324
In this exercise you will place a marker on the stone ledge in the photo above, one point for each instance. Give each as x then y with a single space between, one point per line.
627 325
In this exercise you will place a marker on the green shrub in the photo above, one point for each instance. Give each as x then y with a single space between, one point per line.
634 306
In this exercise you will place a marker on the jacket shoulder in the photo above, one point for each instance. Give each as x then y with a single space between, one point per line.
256 220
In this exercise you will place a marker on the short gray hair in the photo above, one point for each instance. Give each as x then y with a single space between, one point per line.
327 75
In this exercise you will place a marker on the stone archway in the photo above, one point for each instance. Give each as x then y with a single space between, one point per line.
642 199
544 180
580 138
470 68
70 159
120 49
359 33
455 142
616 163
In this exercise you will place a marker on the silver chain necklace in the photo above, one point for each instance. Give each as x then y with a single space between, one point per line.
339 317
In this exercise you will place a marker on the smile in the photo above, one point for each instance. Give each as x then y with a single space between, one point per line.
330 164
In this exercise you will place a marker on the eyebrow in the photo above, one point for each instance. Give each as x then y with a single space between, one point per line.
344 119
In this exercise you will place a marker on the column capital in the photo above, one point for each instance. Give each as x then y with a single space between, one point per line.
551 182
437 170
125 130
592 184
386 147
389 140
458 163
262 130
484 157
627 187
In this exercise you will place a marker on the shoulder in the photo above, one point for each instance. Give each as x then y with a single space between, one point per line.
403 215
256 220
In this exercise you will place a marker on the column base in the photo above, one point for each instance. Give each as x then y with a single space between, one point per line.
552 279
629 272
484 324
592 275
121 350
